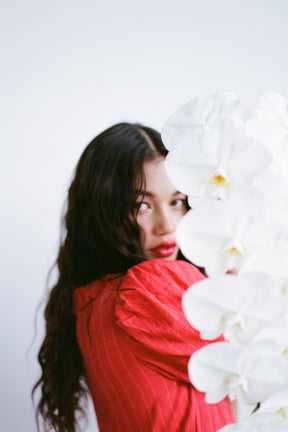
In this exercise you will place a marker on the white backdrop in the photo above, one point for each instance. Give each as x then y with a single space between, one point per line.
69 69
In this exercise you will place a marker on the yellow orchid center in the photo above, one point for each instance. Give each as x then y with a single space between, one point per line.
233 319
233 251
283 412
218 179
234 383
284 288
236 324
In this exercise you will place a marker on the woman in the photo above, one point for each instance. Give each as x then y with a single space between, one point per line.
114 318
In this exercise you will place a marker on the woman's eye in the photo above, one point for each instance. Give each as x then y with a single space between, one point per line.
141 206
180 203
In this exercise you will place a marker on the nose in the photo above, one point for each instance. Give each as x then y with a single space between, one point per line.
164 222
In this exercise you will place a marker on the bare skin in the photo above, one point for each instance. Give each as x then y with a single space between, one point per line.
159 212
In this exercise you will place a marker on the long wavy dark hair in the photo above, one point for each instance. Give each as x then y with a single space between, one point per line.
100 235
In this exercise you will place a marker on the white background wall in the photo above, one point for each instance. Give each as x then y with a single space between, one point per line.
69 69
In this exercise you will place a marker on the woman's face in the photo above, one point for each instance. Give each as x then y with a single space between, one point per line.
159 211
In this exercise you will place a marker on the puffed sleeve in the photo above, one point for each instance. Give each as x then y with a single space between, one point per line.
150 312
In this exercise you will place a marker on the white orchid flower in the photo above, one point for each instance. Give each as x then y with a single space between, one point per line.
202 114
221 235
277 405
235 306
208 165
255 423
251 373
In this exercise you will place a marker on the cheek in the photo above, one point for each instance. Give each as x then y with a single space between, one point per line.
180 215
144 228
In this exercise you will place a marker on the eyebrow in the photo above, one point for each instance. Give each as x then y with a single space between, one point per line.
151 195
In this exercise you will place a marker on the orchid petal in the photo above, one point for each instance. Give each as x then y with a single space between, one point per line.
201 113
237 306
278 333
269 123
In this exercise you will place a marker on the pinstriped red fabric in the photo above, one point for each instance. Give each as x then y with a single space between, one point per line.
136 343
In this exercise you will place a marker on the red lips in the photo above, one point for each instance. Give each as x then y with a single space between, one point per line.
164 249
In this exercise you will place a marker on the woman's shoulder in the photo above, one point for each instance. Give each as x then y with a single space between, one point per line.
150 299
163 263
165 266
156 273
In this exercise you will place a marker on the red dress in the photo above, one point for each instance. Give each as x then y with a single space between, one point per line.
136 343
